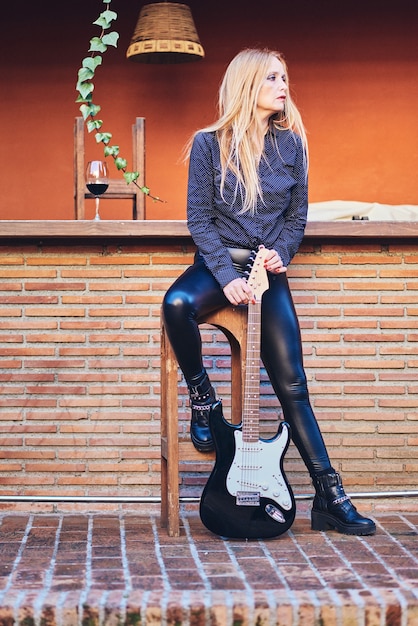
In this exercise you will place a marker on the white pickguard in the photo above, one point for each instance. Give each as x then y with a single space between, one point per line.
256 468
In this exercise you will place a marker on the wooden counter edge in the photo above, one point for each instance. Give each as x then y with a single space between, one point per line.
172 229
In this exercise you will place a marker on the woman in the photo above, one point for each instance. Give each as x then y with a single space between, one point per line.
248 186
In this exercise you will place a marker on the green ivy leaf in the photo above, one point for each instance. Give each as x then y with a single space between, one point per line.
85 73
91 63
130 177
88 110
103 137
94 125
85 111
105 19
97 45
111 39
112 151
121 163
81 99
85 89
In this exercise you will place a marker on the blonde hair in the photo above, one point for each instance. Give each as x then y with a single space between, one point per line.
239 135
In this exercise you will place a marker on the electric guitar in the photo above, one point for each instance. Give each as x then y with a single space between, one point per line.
247 495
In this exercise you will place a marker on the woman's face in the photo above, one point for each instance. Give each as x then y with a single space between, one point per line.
273 92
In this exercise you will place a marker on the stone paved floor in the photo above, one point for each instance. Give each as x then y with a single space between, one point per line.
79 569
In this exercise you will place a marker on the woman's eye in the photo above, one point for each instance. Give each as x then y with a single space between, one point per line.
271 77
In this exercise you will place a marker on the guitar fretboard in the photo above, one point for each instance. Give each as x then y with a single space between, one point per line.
250 418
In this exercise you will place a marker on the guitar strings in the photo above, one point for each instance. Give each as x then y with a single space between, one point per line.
250 425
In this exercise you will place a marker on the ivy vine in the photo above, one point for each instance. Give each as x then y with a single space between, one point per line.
85 88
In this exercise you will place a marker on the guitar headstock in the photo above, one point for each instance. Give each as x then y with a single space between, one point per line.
258 279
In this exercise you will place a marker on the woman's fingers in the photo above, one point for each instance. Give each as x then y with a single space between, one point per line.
274 263
238 291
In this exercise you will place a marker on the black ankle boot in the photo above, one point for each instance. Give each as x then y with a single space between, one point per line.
202 397
332 508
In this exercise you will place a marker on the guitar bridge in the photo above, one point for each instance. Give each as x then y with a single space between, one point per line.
248 498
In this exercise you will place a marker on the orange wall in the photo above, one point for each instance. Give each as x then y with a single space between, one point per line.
353 71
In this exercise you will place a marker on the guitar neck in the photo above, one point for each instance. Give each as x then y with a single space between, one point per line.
251 418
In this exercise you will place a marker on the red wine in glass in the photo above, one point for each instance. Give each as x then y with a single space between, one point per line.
97 188
97 181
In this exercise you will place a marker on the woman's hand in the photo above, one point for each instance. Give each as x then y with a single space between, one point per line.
238 292
273 263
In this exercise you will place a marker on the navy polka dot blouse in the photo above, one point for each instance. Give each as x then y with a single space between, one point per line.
215 223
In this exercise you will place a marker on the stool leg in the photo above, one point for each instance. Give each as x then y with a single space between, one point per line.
235 330
163 426
237 381
170 495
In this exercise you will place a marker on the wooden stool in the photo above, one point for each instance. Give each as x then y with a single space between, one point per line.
232 321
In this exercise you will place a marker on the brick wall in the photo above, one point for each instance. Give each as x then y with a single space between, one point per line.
79 364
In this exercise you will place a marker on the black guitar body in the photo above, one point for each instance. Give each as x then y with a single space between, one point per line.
265 508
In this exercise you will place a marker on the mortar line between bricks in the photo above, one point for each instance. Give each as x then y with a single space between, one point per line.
307 559
272 604
207 597
196 557
144 604
17 559
17 604
229 604
408 523
316 604
49 574
398 543
293 600
274 564
88 570
360 605
404 606
336 599
402 547
234 560
291 594
185 602
60 606
388 568
413 557
157 548
102 605
346 561
382 604
249 590
125 566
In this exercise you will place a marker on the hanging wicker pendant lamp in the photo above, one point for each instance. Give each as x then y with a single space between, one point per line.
165 33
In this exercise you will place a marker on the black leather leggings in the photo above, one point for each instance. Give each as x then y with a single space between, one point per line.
196 293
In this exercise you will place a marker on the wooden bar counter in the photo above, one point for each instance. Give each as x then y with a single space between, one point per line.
80 356
32 229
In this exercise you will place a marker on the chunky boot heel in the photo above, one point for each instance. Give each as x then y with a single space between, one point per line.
332 508
319 521
202 397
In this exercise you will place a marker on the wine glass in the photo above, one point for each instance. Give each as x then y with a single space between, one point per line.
97 181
